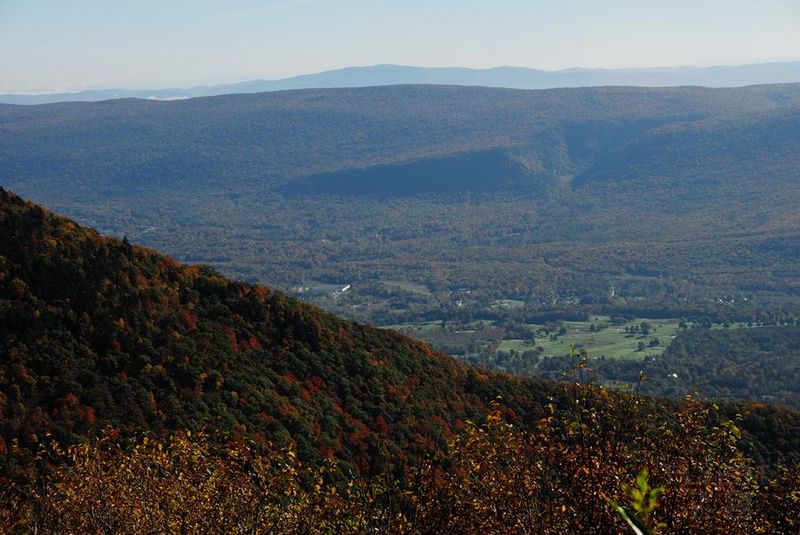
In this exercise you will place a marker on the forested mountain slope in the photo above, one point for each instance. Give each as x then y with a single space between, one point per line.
95 332
243 143
763 147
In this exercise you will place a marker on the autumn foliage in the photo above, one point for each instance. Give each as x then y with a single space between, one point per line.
187 485
141 396
494 478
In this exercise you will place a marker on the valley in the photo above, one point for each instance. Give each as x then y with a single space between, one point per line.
472 218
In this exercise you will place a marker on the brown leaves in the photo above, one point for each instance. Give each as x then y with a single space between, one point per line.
188 485
555 479
495 478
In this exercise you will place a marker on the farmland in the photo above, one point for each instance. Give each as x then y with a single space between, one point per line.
602 337
491 343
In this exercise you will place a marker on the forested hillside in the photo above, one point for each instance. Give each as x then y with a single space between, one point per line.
762 146
315 423
95 332
245 143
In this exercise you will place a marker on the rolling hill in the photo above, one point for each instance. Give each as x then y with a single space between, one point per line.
254 142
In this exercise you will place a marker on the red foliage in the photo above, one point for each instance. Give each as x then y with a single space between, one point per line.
290 378
190 319
380 424
259 438
360 438
290 411
315 384
261 293
266 418
509 415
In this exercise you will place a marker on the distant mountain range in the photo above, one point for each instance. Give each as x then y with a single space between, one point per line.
508 77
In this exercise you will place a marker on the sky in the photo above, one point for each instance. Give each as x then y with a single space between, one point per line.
68 45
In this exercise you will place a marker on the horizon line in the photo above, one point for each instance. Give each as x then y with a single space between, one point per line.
197 85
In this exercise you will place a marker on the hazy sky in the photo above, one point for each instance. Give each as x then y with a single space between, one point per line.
48 45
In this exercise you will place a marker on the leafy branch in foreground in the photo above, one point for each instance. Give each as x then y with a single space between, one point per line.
643 500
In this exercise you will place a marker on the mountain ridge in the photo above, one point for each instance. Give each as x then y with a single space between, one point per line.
748 140
502 76
272 138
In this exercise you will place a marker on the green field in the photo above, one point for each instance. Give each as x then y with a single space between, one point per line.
417 326
407 286
608 339
599 336
506 304
515 344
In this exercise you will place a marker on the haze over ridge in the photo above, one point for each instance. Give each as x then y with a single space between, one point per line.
502 76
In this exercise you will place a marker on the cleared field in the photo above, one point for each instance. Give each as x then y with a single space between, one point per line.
605 339
417 326
505 304
600 336
514 344
407 286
